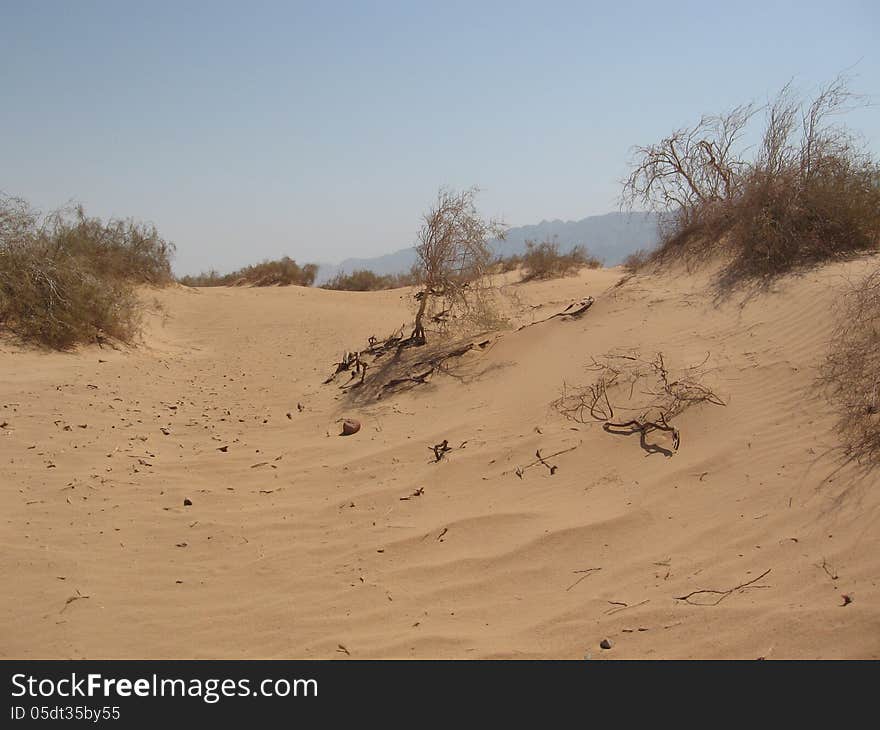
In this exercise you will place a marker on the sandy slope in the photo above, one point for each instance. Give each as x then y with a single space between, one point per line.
297 542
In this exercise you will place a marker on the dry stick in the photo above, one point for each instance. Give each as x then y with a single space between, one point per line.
70 600
645 427
551 467
419 378
831 573
624 606
722 594
587 572
582 306
541 460
440 449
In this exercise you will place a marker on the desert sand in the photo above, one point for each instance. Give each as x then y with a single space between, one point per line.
298 542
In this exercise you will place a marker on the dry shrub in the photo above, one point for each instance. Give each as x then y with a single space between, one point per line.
453 262
786 219
545 261
506 264
207 278
366 280
53 298
118 249
67 279
636 260
810 194
851 372
281 272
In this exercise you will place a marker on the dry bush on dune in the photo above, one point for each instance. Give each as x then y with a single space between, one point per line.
506 264
455 297
635 395
67 279
118 249
810 194
281 272
545 261
454 261
851 373
366 280
636 261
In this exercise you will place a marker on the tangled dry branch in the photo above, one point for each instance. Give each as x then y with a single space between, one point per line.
643 389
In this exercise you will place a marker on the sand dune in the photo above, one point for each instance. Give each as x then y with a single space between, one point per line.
299 542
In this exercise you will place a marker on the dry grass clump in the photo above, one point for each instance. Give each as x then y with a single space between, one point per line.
67 279
851 372
118 249
636 260
545 261
810 194
505 264
366 280
281 272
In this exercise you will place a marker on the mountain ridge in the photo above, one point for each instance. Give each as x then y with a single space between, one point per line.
610 237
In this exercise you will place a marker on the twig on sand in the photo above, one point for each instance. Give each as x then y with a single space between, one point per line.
70 600
587 572
520 470
721 594
621 606
829 570
440 449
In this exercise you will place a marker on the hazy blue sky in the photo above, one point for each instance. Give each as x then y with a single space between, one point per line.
322 130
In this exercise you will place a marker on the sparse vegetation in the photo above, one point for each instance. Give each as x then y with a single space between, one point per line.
545 261
636 260
852 370
366 280
67 279
506 264
631 394
810 194
453 262
281 272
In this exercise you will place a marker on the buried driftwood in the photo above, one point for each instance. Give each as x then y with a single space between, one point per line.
573 310
386 359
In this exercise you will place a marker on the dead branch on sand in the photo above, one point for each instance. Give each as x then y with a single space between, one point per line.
386 359
440 449
721 594
627 376
573 310
586 573
521 470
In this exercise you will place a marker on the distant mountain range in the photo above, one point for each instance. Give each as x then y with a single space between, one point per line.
610 238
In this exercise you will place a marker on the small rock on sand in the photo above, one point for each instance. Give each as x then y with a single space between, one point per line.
350 426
